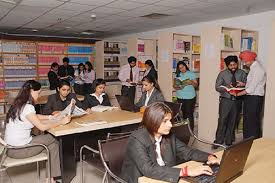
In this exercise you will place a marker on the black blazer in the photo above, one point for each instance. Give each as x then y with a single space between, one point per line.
55 103
91 101
156 96
140 157
153 73
53 80
66 71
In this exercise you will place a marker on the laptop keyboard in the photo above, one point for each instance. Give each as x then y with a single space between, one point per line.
208 178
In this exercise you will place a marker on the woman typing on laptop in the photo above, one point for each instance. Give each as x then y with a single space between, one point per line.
151 93
152 151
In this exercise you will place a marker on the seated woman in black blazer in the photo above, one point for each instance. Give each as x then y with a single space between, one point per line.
151 92
98 95
61 99
152 151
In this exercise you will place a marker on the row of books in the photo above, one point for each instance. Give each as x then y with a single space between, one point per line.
181 46
248 43
79 59
51 49
19 59
19 47
43 71
48 60
227 41
193 65
80 49
14 84
20 71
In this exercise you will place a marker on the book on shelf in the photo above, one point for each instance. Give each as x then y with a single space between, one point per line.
233 89
248 43
196 48
227 41
196 65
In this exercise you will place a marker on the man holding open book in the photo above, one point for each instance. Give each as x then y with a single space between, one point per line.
229 81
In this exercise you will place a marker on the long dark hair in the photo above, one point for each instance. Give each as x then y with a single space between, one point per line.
90 66
153 116
23 97
78 67
150 79
150 63
178 70
96 83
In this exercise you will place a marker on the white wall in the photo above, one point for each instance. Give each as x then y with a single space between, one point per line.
260 22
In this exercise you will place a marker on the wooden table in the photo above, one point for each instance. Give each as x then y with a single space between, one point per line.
66 134
44 99
260 165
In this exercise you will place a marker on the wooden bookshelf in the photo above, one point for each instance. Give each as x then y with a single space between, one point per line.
110 55
173 47
215 47
142 49
22 60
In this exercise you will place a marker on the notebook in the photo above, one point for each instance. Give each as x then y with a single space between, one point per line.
231 166
125 103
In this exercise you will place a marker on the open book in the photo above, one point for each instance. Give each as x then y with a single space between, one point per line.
181 83
102 108
233 89
72 110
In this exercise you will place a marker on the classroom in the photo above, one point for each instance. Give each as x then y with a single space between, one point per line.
137 91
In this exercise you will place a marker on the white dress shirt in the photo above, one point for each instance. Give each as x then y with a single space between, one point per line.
18 131
256 80
124 74
100 98
159 158
148 95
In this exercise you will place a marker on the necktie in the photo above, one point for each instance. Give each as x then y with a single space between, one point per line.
233 80
131 74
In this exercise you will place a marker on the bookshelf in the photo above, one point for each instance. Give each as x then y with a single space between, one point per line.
142 49
217 42
23 60
173 47
234 40
110 55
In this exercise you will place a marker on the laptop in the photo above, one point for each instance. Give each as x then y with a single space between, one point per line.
231 166
125 103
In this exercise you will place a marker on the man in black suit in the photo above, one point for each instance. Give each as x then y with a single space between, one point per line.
66 71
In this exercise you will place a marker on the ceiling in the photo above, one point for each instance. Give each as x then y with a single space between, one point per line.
73 18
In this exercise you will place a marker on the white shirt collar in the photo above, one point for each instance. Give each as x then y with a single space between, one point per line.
100 98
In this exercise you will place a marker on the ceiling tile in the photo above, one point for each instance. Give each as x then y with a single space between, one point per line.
92 2
107 10
41 3
144 1
76 7
6 5
176 3
126 5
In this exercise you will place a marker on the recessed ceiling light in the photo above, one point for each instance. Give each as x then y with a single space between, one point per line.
68 27
87 33
93 15
34 30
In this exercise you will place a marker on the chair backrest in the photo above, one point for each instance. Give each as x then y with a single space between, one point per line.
182 132
175 107
112 153
116 135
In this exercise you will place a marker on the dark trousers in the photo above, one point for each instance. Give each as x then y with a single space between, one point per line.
252 125
229 111
129 91
187 108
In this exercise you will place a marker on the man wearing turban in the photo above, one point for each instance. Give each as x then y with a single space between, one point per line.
229 106
254 92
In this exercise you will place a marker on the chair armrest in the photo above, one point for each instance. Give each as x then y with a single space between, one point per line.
88 148
31 145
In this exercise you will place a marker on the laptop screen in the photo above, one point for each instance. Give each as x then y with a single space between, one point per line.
125 103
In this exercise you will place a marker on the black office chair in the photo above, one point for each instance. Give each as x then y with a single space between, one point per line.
112 153
176 108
